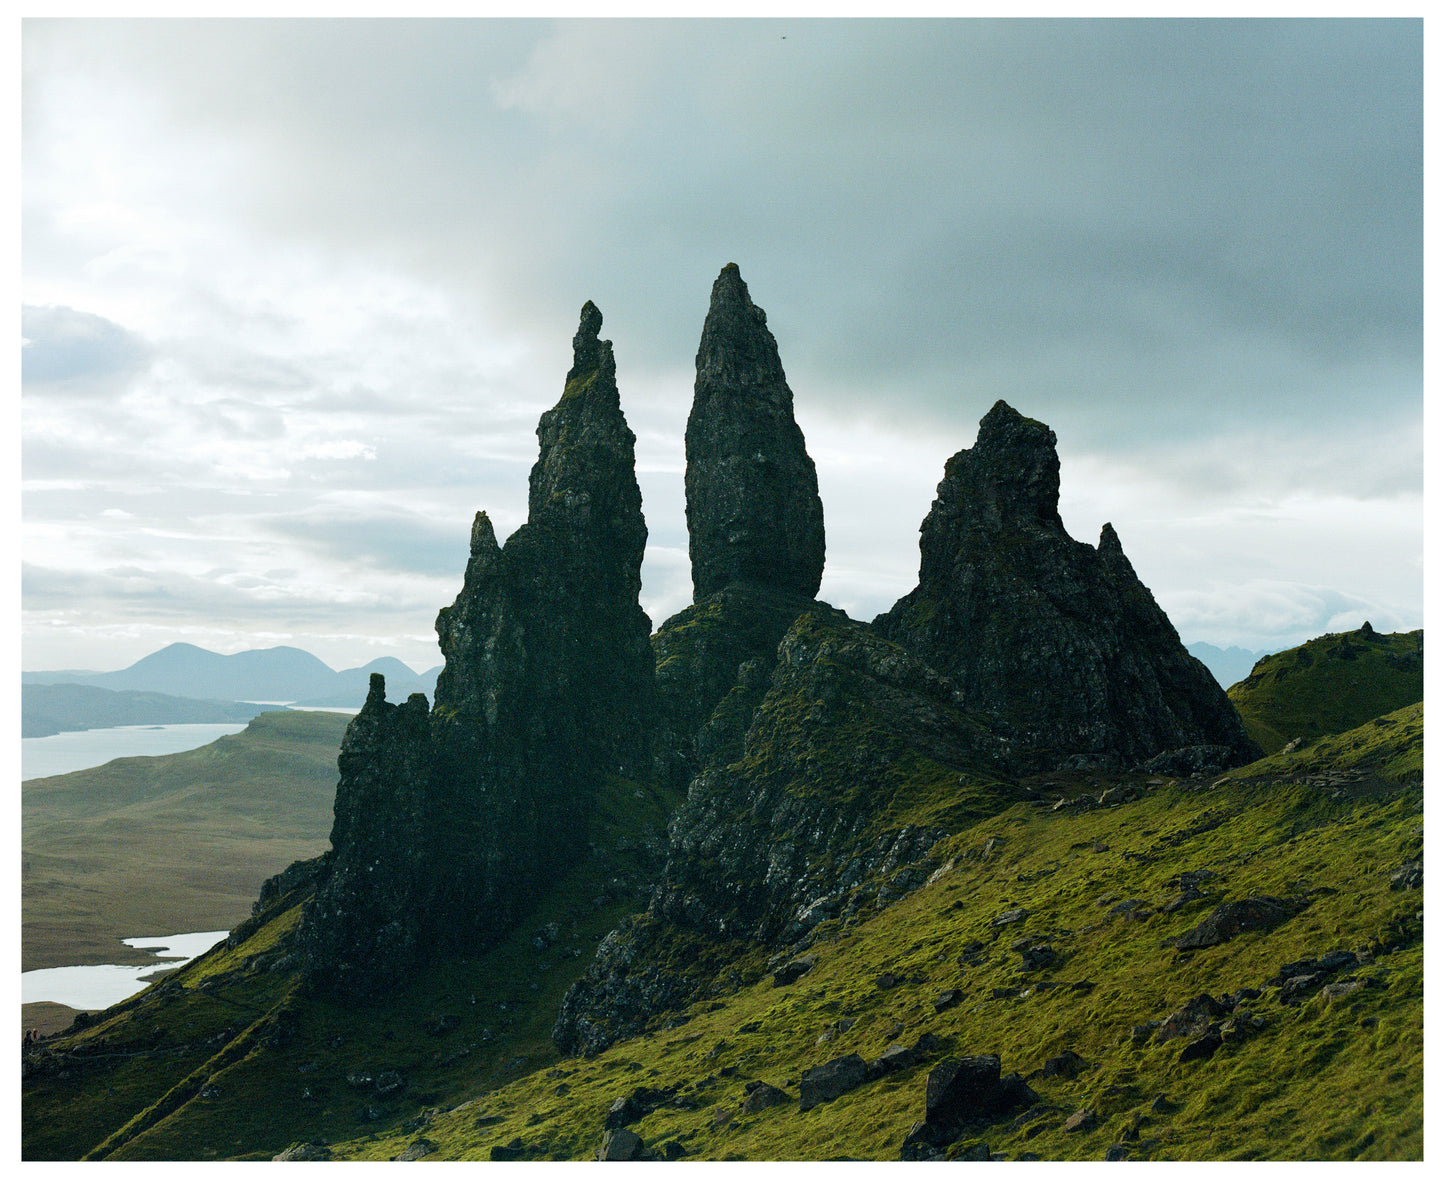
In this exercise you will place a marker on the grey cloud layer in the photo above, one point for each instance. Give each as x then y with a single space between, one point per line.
349 255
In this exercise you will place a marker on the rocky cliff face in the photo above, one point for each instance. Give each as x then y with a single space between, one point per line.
753 512
755 533
1059 641
805 810
450 823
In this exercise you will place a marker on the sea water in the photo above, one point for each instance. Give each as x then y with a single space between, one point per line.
93 988
64 753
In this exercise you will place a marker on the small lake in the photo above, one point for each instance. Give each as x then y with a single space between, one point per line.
93 988
64 753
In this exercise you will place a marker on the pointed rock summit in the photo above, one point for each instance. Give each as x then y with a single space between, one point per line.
753 512
451 822
1059 641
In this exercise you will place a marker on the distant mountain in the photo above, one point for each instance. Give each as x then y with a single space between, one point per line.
274 674
1228 665
47 709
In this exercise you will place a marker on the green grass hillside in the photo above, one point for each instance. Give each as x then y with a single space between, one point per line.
1045 937
1330 684
155 845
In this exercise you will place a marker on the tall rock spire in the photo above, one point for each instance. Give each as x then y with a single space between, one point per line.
753 512
449 824
1060 641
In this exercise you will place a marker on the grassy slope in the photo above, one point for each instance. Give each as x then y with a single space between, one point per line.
1321 1080
1328 685
216 1021
155 845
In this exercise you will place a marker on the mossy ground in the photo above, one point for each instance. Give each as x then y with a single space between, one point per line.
1321 1080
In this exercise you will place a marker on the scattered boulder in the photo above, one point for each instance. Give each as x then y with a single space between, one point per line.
417 1150
1298 986
619 1146
1068 1064
1142 1033
897 1057
1038 956
1193 1019
1235 917
1410 874
1201 1048
1080 1119
969 1089
831 1080
791 972
303 1152
761 1095
637 1104
1334 992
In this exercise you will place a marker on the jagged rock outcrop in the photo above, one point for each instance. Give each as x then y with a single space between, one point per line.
449 822
755 533
714 662
753 512
799 815
1059 641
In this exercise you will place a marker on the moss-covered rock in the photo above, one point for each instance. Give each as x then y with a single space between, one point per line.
822 793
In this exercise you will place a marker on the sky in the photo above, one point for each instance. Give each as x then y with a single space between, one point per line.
295 294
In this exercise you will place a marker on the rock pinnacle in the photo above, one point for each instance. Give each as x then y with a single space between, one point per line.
753 512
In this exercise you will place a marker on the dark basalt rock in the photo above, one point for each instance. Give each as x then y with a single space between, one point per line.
829 1081
781 829
1235 917
970 1089
752 851
762 1096
753 512
449 823
1057 640
715 660
1194 1019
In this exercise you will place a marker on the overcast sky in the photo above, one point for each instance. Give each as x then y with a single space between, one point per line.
295 294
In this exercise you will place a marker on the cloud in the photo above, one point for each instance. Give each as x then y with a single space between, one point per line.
64 350
348 258
404 543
